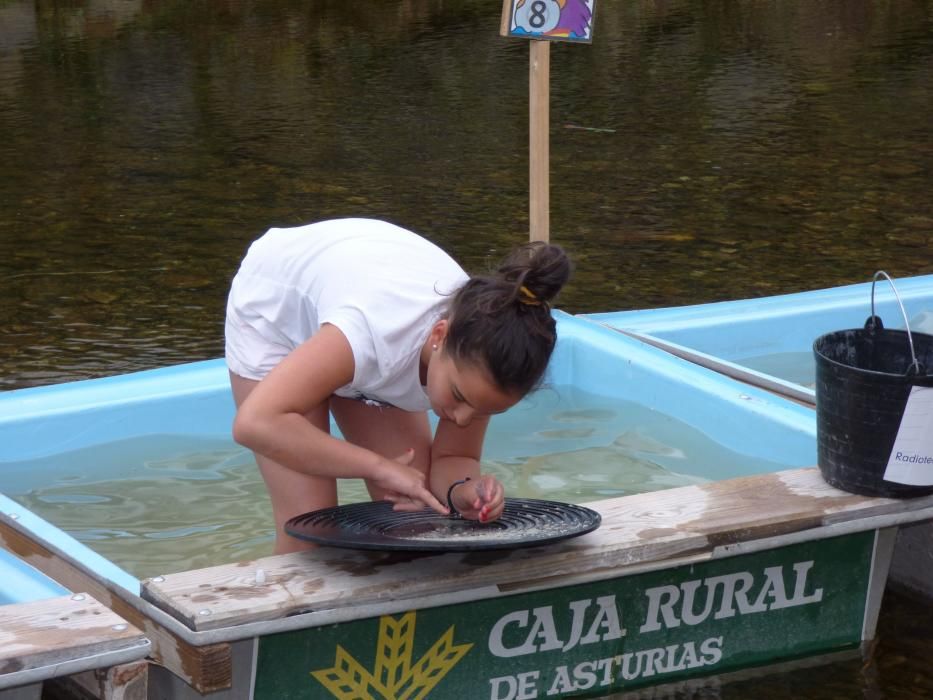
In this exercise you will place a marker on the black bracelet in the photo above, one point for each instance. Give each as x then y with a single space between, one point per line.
450 504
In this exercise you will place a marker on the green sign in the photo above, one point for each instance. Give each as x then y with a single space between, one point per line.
590 639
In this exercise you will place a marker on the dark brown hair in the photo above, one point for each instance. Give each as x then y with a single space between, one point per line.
503 321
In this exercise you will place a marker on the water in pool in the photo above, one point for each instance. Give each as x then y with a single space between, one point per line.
796 367
166 503
799 367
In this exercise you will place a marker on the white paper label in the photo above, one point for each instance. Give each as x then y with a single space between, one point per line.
911 460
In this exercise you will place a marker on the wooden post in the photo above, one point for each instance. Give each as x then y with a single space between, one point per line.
543 21
539 80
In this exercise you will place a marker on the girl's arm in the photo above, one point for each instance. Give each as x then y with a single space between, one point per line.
455 455
271 421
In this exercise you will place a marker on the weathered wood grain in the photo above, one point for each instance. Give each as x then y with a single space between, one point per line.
207 668
53 631
636 530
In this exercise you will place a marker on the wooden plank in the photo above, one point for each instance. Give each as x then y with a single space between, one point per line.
206 668
48 632
636 530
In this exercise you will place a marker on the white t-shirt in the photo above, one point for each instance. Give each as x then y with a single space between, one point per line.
383 286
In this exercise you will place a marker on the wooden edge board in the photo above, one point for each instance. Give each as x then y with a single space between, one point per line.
206 668
325 580
637 529
55 631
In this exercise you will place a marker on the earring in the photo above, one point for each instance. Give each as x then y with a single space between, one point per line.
434 347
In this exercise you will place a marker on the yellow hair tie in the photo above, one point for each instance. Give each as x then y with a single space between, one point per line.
528 297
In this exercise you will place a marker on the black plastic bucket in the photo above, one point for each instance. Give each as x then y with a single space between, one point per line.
863 379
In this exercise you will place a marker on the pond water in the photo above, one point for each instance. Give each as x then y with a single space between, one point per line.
700 151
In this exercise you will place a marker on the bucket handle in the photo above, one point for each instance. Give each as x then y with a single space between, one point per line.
910 339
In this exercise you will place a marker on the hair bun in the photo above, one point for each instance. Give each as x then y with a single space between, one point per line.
538 270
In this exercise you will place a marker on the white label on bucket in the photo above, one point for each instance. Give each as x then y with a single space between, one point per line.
911 460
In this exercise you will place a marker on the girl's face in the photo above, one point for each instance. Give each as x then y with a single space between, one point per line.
462 391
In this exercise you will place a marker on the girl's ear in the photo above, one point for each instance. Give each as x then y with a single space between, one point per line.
439 332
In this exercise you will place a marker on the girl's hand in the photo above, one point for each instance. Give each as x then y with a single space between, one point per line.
480 499
405 486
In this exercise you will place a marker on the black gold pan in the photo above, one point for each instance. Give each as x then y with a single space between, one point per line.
525 522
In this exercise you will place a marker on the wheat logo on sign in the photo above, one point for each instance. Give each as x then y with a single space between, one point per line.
394 677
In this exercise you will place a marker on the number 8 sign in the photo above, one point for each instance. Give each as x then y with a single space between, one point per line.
556 20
